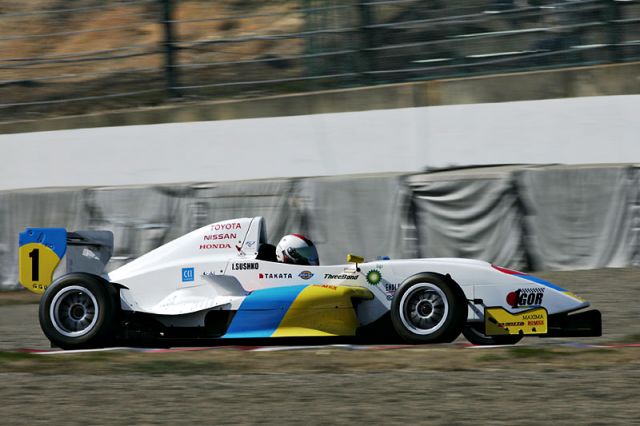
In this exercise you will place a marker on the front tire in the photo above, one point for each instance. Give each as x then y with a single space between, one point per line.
473 333
78 311
428 308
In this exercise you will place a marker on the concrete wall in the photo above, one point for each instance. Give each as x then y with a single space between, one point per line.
602 80
572 131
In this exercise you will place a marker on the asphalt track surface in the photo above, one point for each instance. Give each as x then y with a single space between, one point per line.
565 381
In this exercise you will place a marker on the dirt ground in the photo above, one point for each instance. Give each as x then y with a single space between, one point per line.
538 380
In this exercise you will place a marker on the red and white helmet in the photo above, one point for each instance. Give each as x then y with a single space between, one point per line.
297 249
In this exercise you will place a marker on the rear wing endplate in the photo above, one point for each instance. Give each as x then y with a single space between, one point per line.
43 250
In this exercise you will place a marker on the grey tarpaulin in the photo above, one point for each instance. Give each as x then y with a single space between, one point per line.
580 217
362 215
518 216
471 213
143 218
278 201
139 217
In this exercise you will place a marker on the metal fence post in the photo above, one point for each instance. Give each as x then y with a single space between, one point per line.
310 42
367 56
614 30
170 71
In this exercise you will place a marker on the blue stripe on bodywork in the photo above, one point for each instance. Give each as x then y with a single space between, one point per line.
262 311
541 281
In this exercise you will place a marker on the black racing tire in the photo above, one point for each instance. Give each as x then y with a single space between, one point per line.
429 308
473 333
78 311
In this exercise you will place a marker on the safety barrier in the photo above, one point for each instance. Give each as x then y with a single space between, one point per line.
525 217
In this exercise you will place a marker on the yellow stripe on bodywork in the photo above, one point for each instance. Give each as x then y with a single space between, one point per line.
568 293
322 310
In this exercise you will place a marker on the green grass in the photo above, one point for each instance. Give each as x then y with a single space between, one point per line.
158 366
6 357
630 338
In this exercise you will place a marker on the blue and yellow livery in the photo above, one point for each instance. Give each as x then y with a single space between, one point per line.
40 252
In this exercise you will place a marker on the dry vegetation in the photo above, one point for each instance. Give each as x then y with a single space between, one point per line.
57 60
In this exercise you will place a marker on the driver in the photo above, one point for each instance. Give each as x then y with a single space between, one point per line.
297 249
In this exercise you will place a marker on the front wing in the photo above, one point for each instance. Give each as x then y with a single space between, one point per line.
498 321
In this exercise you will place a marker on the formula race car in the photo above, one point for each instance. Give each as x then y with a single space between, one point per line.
223 282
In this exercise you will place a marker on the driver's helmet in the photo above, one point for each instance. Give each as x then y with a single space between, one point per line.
297 249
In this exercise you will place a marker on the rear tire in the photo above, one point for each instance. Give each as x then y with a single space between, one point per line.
473 333
428 308
79 311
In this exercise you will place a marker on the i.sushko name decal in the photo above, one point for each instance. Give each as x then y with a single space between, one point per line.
40 251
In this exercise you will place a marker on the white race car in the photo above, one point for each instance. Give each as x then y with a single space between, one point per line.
223 282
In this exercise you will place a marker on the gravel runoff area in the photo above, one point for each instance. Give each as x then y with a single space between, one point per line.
534 381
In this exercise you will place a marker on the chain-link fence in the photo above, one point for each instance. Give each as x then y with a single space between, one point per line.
58 60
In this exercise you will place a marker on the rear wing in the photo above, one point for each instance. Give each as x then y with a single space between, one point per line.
42 251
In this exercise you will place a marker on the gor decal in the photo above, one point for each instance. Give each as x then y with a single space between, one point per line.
525 297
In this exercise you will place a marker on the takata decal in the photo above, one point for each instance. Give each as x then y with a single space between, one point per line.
244 266
188 274
525 297
305 275
275 276
374 277
340 276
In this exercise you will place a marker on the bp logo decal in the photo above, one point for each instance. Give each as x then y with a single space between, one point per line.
373 277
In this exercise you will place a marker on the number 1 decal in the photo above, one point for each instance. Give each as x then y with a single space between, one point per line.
35 264
40 251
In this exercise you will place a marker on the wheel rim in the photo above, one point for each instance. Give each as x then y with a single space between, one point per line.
74 311
424 308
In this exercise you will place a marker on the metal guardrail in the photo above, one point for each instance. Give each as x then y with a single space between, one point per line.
147 52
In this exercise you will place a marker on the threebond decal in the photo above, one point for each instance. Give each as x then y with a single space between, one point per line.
262 311
40 252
